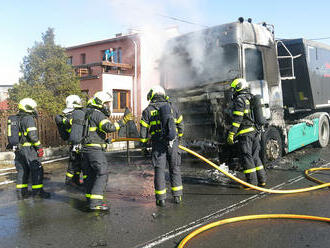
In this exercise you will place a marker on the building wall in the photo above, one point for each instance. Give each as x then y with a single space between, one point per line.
94 53
91 86
118 82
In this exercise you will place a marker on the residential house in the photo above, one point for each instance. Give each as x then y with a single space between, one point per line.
129 74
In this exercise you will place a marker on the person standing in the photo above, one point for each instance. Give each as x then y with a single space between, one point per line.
97 113
158 121
64 124
243 129
29 152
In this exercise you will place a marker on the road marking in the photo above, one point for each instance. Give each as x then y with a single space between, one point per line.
197 223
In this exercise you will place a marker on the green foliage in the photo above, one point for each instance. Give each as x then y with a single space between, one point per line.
47 78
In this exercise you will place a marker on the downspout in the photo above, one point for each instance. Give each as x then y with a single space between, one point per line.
135 77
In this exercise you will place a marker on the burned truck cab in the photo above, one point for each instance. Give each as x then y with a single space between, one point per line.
198 68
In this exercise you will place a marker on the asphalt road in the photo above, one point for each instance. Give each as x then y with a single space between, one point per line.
135 222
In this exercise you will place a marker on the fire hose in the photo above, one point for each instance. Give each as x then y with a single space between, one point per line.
251 217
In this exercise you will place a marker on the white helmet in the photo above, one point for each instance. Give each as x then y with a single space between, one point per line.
73 101
155 90
100 98
239 84
27 105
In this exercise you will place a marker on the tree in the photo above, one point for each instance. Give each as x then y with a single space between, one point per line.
47 78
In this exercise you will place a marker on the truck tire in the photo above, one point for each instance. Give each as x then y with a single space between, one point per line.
323 131
271 145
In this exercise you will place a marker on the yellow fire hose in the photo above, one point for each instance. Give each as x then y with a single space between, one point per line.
289 191
250 217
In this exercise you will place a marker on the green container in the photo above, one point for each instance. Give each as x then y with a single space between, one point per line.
301 134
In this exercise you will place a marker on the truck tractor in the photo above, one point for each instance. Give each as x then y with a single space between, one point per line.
292 76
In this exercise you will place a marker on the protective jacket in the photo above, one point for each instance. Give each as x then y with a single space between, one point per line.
243 126
242 118
27 162
150 121
178 119
29 132
162 153
98 126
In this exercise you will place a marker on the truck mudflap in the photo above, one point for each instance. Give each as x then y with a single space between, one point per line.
303 134
311 129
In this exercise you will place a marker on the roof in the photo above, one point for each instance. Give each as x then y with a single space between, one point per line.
123 37
306 42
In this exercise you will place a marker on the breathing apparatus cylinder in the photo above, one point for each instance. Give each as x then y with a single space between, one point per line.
258 110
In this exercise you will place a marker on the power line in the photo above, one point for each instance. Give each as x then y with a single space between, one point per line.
162 15
181 20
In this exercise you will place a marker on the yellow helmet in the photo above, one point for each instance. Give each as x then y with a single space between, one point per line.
27 105
239 84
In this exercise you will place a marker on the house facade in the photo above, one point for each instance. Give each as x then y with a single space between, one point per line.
129 73
120 75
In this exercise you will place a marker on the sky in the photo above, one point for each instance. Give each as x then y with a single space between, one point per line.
80 21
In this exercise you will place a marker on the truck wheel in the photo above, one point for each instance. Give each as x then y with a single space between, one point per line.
323 131
271 145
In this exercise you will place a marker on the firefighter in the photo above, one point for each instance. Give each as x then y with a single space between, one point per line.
243 129
29 152
64 123
97 112
164 148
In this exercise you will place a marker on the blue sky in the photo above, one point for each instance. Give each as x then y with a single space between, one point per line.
80 21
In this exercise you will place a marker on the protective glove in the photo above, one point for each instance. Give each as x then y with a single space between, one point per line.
230 138
128 117
40 152
76 148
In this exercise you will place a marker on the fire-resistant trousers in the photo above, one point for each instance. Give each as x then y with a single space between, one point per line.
96 182
74 167
161 155
28 163
253 168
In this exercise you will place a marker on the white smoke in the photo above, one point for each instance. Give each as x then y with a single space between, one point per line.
157 21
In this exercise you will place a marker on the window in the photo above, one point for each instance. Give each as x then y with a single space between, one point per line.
69 60
119 55
121 100
253 65
83 58
102 56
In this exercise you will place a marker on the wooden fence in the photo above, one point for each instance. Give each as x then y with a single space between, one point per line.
47 129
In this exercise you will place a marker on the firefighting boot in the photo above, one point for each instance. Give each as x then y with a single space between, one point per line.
23 193
68 181
177 199
76 180
40 193
160 203
98 205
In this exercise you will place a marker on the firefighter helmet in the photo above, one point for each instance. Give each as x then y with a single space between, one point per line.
100 98
155 90
73 101
239 84
27 105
